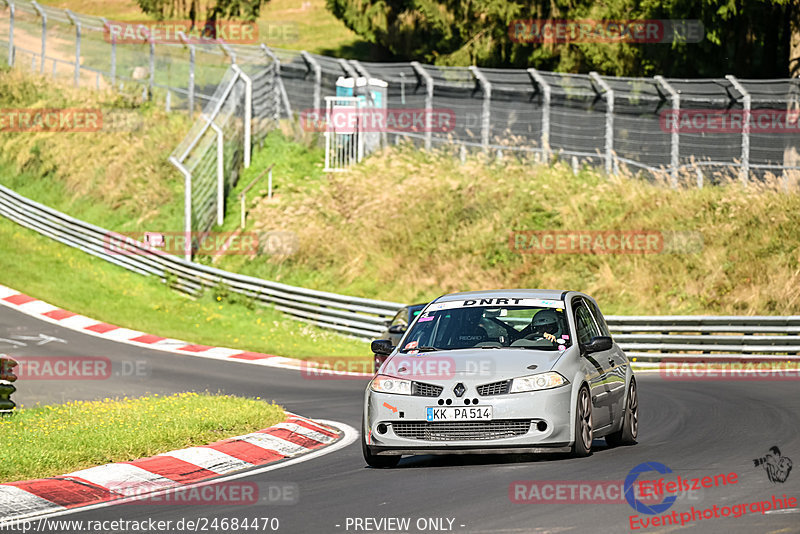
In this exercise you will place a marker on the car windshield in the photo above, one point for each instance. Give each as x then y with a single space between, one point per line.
490 323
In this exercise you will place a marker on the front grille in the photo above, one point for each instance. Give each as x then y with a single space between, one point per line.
421 389
461 430
495 388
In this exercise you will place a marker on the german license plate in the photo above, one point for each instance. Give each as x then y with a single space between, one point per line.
452 413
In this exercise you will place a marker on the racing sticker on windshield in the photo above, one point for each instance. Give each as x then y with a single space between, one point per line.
411 345
425 318
501 301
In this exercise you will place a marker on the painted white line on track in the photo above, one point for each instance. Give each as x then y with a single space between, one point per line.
349 437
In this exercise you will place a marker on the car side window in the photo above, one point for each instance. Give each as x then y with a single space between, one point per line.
585 325
400 318
599 319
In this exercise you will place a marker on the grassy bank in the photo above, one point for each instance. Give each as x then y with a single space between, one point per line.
408 226
57 439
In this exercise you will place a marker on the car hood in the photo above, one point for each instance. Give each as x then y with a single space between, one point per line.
494 363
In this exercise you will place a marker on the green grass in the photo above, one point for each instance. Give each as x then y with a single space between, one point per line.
46 441
76 281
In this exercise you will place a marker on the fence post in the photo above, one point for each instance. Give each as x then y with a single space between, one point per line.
348 69
609 96
312 64
77 25
44 32
248 113
113 52
280 90
7 376
486 87
675 136
190 89
187 207
747 104
422 74
12 9
228 52
546 100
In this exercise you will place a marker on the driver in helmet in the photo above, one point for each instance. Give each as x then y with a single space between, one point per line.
544 324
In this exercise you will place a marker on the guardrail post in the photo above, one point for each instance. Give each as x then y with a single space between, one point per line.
486 116
220 169
547 93
7 376
77 25
609 96
187 207
248 113
42 14
422 74
313 64
675 137
747 104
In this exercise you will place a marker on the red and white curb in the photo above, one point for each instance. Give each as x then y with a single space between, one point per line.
73 321
294 437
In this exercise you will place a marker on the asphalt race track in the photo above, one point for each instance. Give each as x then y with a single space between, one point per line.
701 428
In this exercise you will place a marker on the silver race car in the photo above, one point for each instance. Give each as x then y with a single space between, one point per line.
514 371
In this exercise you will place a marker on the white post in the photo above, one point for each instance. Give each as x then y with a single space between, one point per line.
77 25
44 32
220 170
187 208
609 96
248 113
546 99
675 134
747 104
12 8
113 51
486 109
422 74
190 96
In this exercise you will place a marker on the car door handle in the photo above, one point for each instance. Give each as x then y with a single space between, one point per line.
611 362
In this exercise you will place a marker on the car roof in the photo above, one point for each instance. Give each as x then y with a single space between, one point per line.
550 294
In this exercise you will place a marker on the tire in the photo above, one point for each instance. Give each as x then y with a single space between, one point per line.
582 446
630 421
373 460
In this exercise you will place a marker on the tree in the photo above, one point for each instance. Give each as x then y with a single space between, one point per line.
203 10
749 38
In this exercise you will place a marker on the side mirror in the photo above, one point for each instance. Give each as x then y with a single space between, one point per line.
382 346
598 344
398 329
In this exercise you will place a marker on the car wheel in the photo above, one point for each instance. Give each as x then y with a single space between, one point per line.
373 460
630 421
583 424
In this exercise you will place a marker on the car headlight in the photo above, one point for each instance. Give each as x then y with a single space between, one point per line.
537 382
388 384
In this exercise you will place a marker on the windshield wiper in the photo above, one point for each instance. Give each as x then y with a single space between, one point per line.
427 349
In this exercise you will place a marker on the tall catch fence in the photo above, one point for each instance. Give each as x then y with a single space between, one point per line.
610 122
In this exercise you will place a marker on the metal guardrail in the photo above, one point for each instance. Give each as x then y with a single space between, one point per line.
708 337
644 337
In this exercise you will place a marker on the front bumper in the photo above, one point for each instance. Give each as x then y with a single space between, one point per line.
539 421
